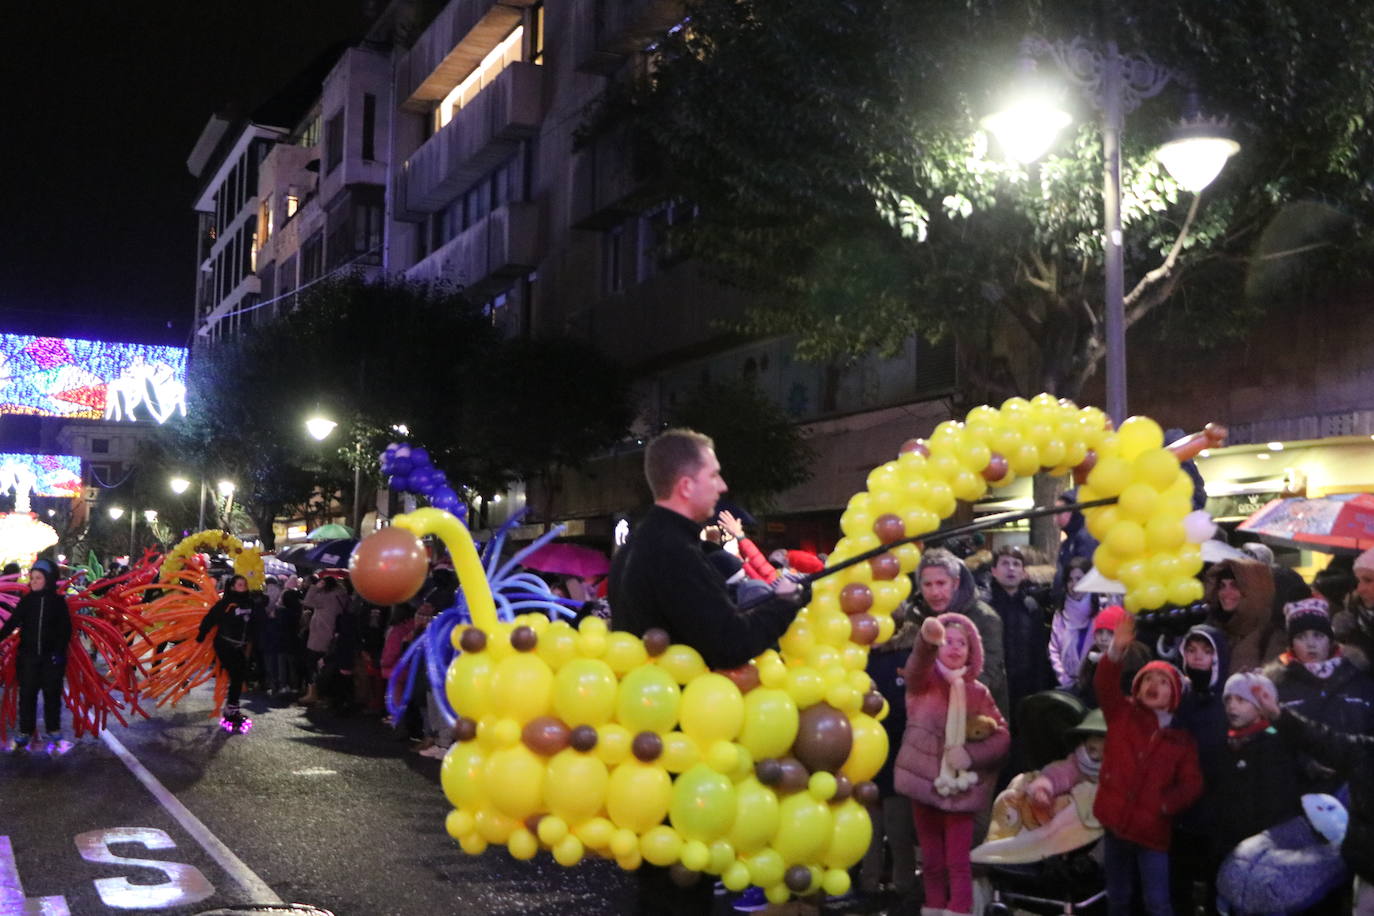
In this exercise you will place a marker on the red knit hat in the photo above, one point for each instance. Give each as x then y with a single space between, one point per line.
1175 680
804 562
1109 618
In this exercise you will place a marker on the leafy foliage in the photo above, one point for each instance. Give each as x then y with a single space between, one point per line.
850 185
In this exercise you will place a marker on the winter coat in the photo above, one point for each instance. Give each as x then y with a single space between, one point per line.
1071 636
1352 756
1137 656
923 741
1064 774
1343 702
232 614
1202 713
1025 643
756 565
325 608
1077 543
1354 629
886 662
965 601
1250 628
1257 787
1150 772
44 623
397 639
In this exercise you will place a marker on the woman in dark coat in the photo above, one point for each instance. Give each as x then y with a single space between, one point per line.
231 618
45 631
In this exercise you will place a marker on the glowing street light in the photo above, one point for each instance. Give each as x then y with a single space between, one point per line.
116 512
226 488
320 427
179 485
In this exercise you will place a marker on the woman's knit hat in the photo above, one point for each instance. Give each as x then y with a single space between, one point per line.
1109 618
1365 560
1243 683
1308 614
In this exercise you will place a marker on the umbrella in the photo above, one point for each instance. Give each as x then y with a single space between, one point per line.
1331 524
568 559
331 533
329 554
276 566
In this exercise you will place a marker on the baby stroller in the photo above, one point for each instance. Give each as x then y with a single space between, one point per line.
1046 865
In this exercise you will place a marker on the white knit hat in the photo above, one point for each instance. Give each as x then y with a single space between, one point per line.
1243 684
1365 560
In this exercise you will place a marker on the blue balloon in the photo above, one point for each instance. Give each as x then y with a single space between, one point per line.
421 479
419 457
439 477
401 466
443 498
391 448
399 482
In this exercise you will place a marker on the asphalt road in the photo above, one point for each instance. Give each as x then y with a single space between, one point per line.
308 807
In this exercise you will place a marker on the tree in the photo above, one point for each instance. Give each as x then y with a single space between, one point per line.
762 451
849 184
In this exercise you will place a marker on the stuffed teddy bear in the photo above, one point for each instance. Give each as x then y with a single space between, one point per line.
979 728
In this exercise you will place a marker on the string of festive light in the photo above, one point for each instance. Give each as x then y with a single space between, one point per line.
75 378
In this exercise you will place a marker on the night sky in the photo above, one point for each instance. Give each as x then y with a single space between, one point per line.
102 103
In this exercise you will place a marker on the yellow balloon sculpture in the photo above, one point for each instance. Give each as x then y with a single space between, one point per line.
583 741
247 560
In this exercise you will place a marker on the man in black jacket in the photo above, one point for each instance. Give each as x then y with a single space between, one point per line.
45 630
662 579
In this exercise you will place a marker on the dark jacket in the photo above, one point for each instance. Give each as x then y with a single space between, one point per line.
965 601
233 615
1352 756
1077 543
1257 788
1025 642
1354 629
1250 627
1202 713
1343 702
1149 774
44 623
885 664
660 578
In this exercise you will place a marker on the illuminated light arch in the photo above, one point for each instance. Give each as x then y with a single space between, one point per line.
584 741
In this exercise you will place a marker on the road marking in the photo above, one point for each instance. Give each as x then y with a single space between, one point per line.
315 771
257 890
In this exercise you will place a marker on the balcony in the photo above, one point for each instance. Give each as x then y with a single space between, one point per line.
604 187
612 30
451 47
486 256
479 137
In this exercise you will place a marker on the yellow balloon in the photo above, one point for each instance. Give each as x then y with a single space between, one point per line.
1185 591
869 750
836 882
569 851
682 662
1137 435
552 829
622 842
736 877
557 645
522 687
806 685
756 816
513 781
1126 539
638 796
461 775
1163 533
584 692
459 823
1152 594
1138 501
722 856
804 827
1106 561
712 709
766 868
1110 476
600 833
648 700
703 804
576 785
680 753
661 845
624 652
613 743
695 855
723 757
1158 467
467 684
770 722
522 844
1101 520
493 826
772 670
850 836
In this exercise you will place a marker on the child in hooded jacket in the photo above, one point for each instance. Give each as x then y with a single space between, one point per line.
1150 773
947 778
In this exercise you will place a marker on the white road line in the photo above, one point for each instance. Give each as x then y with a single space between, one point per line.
256 889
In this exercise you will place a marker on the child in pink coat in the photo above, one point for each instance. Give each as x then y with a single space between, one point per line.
947 778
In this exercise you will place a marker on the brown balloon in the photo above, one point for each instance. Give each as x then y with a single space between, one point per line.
768 771
647 746
682 875
745 677
797 878
914 445
464 729
866 793
885 567
532 823
656 642
873 703
546 735
863 629
388 566
889 527
856 598
583 738
473 640
824 738
843 788
523 639
1084 467
794 776
997 468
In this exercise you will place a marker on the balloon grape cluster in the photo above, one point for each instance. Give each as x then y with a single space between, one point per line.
408 469
582 741
247 560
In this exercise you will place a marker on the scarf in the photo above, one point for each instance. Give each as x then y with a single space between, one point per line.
1323 670
1237 737
952 781
1086 765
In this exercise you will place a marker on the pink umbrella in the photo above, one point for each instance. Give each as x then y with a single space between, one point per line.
1344 522
569 560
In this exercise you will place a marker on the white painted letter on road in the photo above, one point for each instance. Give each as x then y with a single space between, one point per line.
184 885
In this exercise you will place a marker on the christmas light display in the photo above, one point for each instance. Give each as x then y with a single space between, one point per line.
40 475
67 377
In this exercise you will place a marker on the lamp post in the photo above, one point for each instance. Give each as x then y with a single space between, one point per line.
1116 83
319 428
226 489
179 486
116 513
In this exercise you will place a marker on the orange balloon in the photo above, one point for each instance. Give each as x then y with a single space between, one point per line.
389 566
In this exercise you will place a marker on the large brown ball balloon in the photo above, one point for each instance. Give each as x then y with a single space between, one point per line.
647 746
889 528
768 771
797 878
885 567
464 729
856 598
824 738
794 775
873 703
863 629
545 735
389 566
997 468
745 677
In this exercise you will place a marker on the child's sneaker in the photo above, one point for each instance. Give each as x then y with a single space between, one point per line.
21 741
751 901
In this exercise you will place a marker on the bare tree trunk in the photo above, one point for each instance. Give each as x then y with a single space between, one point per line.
1044 532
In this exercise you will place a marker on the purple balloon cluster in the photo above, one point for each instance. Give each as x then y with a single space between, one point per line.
409 470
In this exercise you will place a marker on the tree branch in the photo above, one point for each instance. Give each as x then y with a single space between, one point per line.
1158 284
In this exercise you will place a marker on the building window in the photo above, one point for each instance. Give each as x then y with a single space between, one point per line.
498 59
369 126
312 258
536 50
612 253
367 228
100 446
293 203
333 143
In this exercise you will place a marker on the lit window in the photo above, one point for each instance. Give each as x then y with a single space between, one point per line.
293 204
499 58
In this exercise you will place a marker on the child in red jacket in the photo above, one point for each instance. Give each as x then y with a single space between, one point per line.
1150 773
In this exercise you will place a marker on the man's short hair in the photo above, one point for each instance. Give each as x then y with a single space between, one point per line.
671 454
939 558
1008 550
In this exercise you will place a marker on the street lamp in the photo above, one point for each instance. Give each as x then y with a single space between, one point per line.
179 486
116 513
1116 83
319 428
